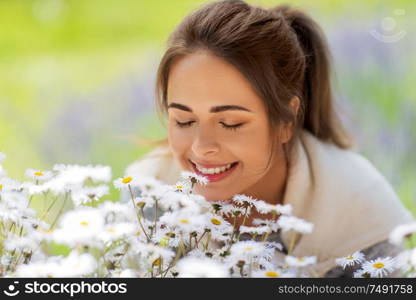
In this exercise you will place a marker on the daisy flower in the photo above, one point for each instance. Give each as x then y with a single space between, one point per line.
401 232
254 230
166 237
294 223
244 200
200 268
124 182
83 195
220 229
379 267
300 261
265 208
7 185
361 273
184 221
249 249
83 225
78 174
194 177
113 232
350 260
273 225
273 273
182 186
125 273
38 175
76 265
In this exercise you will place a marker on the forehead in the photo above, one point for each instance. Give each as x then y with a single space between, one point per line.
201 80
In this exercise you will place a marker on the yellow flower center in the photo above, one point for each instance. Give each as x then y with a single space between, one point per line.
157 262
215 221
248 248
378 265
349 257
127 180
179 187
38 173
1 186
184 221
111 229
300 259
272 274
84 223
164 242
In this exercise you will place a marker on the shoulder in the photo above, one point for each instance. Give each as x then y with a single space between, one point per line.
350 203
346 168
158 163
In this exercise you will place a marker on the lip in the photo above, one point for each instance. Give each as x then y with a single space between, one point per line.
216 177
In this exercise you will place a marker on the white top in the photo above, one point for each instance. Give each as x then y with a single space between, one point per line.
351 205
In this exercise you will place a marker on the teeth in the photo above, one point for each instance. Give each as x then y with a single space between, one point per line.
213 170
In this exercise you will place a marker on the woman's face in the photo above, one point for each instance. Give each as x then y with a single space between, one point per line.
216 119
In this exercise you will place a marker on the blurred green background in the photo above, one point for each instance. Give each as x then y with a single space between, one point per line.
77 80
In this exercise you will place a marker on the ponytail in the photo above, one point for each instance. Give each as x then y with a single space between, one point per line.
319 116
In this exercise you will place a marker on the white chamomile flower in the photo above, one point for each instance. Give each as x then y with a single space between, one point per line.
300 261
220 229
273 225
7 185
76 265
295 224
112 232
193 176
350 260
266 208
402 231
77 174
83 195
248 249
254 230
230 210
182 186
184 221
2 157
361 273
273 273
191 267
244 200
125 182
38 175
126 273
380 267
166 237
80 226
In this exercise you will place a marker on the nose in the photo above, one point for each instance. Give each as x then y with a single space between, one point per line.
205 143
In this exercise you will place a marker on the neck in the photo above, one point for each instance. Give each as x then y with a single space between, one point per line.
270 189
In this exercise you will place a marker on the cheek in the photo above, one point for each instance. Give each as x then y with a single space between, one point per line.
179 140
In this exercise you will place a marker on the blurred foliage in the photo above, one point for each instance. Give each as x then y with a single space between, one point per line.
76 80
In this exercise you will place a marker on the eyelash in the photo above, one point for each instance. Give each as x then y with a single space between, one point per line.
228 127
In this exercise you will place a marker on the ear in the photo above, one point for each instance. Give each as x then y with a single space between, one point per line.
286 132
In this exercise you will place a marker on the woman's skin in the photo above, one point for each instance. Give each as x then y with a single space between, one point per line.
201 81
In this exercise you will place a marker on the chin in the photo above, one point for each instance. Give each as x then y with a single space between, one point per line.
212 195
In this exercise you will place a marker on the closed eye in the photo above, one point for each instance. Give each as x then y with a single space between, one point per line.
224 125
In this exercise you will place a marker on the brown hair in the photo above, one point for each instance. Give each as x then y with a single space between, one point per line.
281 51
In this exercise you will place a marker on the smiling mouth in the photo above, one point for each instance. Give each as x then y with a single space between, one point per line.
214 174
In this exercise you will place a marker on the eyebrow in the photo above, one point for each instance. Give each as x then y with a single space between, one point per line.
214 109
